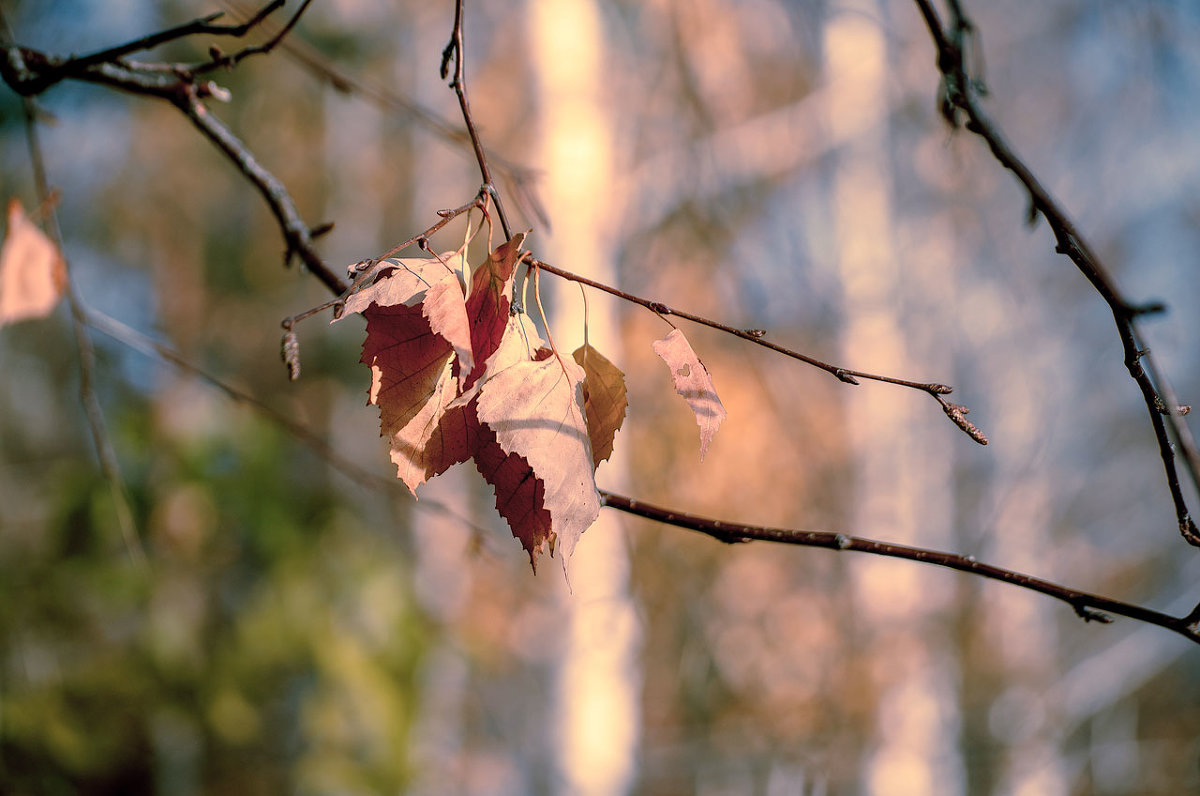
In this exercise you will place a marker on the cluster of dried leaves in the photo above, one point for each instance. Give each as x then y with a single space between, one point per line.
458 376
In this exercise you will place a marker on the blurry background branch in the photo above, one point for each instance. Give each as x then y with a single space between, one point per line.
83 341
353 472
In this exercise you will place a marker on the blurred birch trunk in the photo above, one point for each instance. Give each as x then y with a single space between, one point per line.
902 475
598 685
444 740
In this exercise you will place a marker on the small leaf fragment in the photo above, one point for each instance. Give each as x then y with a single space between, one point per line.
693 382
604 399
33 274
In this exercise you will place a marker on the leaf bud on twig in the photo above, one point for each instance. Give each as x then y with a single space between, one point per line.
290 353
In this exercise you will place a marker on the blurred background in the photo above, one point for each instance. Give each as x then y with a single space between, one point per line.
301 626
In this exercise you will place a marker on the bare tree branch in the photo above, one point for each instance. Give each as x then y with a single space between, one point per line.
960 104
296 232
229 61
1089 607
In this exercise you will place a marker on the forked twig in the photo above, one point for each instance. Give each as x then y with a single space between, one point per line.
203 25
220 60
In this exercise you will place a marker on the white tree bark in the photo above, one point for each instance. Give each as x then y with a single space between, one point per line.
598 686
901 481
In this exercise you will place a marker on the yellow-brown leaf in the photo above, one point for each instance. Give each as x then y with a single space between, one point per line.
604 399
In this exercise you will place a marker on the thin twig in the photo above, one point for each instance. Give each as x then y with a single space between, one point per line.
203 25
366 268
455 50
518 178
959 96
230 61
756 336
421 239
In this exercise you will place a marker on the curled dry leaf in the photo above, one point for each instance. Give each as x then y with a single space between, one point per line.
693 382
447 315
33 275
604 398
